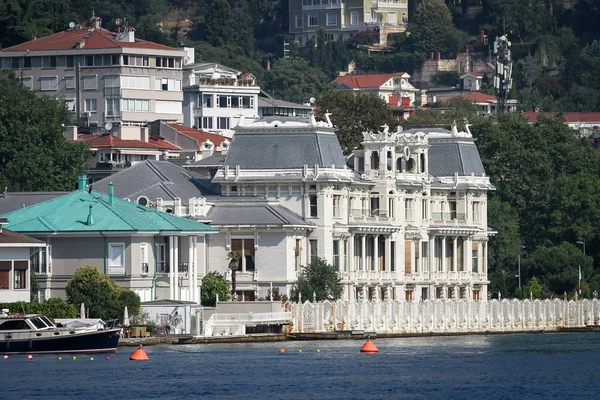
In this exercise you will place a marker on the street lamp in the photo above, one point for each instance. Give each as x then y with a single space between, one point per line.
582 243
519 266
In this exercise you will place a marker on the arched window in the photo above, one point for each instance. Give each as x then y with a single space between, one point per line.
400 164
390 162
375 160
422 163
410 165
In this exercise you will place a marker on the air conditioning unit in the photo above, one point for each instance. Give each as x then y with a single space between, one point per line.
87 114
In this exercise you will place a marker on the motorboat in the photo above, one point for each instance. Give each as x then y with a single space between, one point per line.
36 333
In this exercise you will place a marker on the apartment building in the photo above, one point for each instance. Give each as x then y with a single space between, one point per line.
345 17
216 97
103 76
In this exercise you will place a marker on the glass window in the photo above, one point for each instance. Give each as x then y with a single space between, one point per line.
314 211
336 254
331 19
312 244
313 20
98 60
207 123
91 105
49 83
247 102
354 18
222 101
27 62
246 247
49 62
116 258
207 100
235 102
90 82
298 20
113 107
69 82
222 123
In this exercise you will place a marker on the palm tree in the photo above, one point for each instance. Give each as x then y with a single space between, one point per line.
234 257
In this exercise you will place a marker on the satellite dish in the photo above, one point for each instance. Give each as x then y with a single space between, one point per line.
312 100
108 126
71 24
118 21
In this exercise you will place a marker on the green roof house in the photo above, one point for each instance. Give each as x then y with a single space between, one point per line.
135 245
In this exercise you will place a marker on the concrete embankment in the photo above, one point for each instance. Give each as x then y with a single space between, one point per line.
342 335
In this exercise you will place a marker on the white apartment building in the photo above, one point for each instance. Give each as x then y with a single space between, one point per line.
216 97
103 76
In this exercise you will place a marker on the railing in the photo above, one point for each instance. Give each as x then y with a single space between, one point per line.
163 267
252 318
40 268
451 216
145 268
183 267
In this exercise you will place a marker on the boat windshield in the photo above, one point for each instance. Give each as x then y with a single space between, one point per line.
38 323
47 322
14 325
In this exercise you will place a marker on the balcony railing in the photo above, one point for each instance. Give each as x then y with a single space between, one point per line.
145 268
183 267
451 216
163 267
112 91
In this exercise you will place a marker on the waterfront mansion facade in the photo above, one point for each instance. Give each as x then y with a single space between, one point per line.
405 218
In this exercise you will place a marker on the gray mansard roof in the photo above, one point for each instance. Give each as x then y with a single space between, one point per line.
282 150
157 179
447 158
449 154
247 213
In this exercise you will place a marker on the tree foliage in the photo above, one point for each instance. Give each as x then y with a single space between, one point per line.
294 80
53 308
432 29
214 284
354 113
34 154
100 294
318 280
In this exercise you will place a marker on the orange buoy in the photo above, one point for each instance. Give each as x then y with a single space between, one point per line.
139 355
369 347
282 350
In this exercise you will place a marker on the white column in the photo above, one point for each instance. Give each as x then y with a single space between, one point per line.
195 296
443 254
388 254
363 255
176 267
375 262
351 265
454 254
171 273
191 267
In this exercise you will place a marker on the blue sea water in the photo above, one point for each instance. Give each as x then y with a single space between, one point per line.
528 366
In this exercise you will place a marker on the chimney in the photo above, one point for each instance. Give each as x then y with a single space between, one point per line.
70 133
431 56
144 136
90 219
438 57
111 193
130 35
96 22
82 182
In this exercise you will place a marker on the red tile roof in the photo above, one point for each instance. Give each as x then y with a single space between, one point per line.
568 116
198 134
91 38
367 81
108 141
475 97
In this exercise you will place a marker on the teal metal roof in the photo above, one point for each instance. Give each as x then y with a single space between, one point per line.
71 213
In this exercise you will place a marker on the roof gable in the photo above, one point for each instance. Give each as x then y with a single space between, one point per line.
368 81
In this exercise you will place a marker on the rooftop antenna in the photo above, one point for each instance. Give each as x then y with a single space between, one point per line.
503 75
90 189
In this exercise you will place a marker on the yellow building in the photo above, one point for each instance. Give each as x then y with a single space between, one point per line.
346 17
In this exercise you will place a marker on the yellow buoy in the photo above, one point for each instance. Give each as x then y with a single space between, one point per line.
91 358
59 358
74 358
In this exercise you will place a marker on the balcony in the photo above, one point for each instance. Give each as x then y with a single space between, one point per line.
313 5
449 217
163 267
40 268
112 91
391 3
362 215
205 81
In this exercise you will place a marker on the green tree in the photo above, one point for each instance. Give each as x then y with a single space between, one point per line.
234 262
533 288
295 80
319 280
34 155
432 28
214 284
100 294
354 113
34 286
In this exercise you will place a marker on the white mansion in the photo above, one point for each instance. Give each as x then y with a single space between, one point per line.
405 218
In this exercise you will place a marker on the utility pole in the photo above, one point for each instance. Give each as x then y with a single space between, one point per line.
503 76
